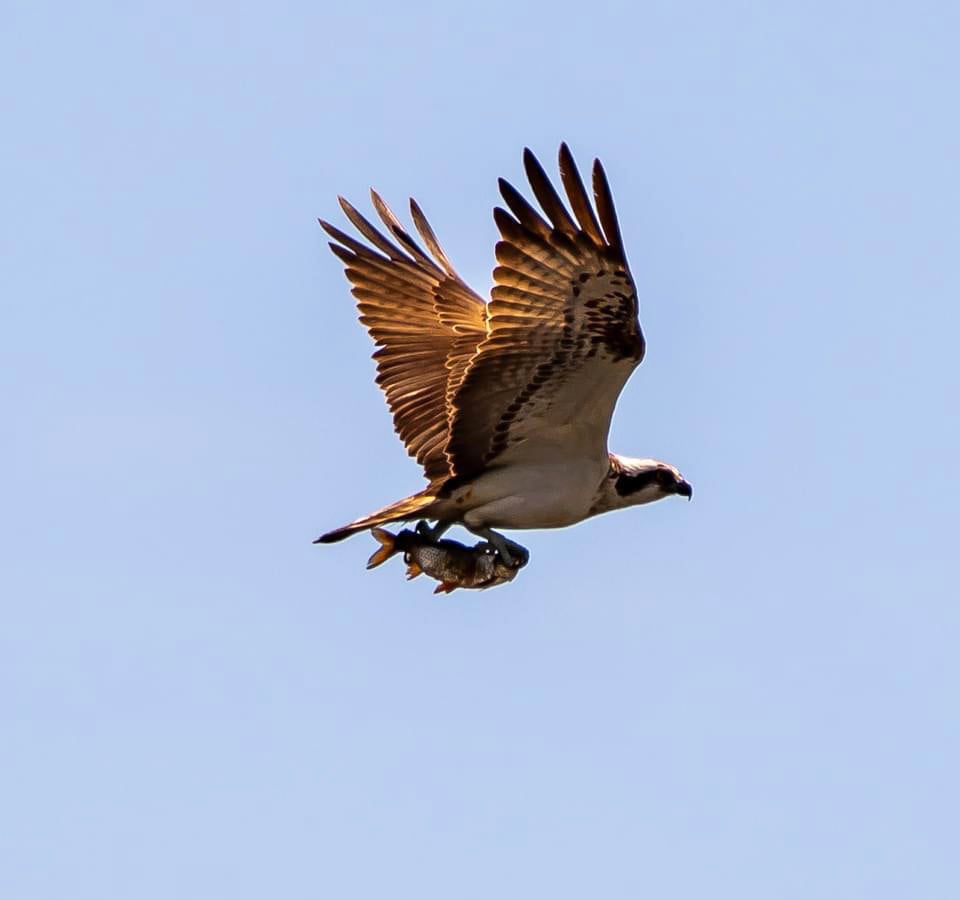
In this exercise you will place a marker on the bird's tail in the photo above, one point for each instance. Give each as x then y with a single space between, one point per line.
401 511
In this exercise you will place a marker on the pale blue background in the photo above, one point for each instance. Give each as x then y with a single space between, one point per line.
750 696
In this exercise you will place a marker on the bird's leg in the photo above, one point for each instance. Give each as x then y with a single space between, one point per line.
512 553
432 534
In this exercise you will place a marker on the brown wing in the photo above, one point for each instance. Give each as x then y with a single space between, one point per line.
425 319
563 329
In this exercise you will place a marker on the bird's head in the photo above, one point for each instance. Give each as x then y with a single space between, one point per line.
636 481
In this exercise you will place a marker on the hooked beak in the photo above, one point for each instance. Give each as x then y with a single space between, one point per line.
685 489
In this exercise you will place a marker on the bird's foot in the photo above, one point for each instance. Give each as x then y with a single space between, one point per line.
432 534
513 554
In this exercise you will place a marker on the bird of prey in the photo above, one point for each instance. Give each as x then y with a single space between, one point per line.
507 404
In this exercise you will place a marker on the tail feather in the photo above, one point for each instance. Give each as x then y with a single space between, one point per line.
408 508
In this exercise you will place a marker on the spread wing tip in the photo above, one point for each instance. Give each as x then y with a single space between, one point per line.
603 197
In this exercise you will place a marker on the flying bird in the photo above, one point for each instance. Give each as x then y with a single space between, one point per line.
506 404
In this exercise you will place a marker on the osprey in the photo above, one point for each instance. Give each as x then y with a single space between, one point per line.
507 404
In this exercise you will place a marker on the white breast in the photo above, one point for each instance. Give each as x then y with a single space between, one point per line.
531 495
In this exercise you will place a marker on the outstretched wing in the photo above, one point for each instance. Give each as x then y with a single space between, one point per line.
563 335
425 319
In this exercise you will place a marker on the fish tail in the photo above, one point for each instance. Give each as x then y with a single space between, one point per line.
388 547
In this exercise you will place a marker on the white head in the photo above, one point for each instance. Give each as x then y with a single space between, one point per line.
631 482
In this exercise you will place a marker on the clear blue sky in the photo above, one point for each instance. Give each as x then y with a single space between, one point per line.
753 695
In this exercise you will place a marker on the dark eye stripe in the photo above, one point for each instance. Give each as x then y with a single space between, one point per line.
630 484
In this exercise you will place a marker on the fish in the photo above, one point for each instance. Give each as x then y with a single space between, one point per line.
453 564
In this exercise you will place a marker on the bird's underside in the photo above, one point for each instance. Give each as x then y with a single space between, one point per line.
505 404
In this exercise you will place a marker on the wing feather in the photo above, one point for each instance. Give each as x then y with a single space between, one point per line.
563 334
573 185
393 224
429 238
606 209
369 231
426 322
547 196
547 250
526 215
